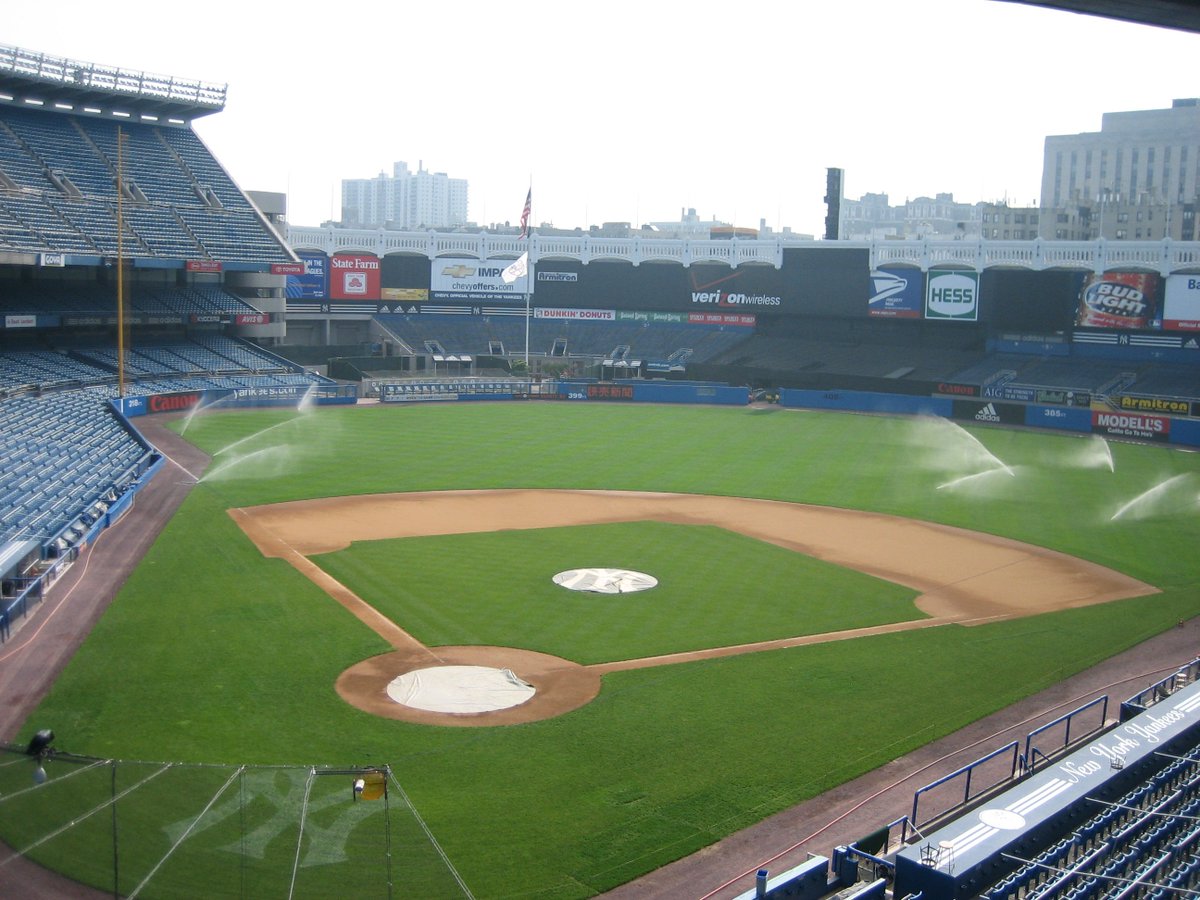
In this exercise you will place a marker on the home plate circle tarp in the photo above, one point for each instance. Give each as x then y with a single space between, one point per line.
605 581
460 689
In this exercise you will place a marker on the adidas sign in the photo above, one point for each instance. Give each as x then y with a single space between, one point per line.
988 414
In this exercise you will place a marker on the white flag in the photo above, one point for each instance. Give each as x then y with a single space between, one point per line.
518 269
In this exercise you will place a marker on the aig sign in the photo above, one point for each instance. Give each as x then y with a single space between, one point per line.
952 295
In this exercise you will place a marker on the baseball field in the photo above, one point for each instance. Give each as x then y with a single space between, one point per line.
959 569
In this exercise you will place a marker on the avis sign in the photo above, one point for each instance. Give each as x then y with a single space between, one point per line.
952 296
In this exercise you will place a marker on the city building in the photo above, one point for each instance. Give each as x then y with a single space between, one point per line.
405 200
872 217
1139 175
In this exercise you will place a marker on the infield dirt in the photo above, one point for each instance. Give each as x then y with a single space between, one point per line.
964 577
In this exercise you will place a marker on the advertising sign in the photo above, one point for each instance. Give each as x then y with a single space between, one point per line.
1181 304
475 280
896 293
579 315
991 413
406 295
952 296
203 265
738 320
1124 300
1145 428
313 284
962 390
354 276
719 287
1154 405
610 392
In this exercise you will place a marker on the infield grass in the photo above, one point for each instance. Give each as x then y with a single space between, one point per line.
213 654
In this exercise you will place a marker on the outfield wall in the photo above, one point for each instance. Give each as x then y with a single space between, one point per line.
274 395
1109 424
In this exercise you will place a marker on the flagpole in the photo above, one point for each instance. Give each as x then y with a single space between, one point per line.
528 214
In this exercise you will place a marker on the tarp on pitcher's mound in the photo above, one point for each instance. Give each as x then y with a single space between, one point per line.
460 689
605 581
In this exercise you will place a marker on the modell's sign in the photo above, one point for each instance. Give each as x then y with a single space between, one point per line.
1145 428
1122 300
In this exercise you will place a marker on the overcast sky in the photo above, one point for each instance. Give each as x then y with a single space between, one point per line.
631 111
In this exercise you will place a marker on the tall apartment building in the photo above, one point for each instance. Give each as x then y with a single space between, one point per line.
1140 173
405 200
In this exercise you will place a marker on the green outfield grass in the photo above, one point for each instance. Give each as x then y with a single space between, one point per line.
213 654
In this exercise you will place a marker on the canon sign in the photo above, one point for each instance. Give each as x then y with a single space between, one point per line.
173 402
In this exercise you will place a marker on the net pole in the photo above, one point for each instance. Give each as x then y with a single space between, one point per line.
116 851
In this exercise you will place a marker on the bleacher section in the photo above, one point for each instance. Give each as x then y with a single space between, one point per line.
90 299
67 455
201 361
474 335
58 192
69 452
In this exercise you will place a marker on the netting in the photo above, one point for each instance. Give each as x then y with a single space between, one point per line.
165 830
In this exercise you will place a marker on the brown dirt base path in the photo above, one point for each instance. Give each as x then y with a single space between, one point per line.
964 577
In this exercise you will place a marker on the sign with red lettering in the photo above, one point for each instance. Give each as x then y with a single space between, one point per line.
204 265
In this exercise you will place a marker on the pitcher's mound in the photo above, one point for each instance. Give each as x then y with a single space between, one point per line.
552 685
605 581
460 689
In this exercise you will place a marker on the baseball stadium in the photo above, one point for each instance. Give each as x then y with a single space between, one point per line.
380 564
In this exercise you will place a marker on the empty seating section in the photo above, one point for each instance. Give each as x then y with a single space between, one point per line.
46 370
46 224
474 335
204 167
59 192
205 361
1151 834
68 453
56 143
1169 381
94 299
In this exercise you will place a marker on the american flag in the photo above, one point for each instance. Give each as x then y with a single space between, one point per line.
525 215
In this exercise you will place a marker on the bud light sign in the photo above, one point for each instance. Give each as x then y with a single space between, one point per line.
1118 300
952 296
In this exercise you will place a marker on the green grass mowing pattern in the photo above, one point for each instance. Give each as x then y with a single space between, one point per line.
212 653
716 588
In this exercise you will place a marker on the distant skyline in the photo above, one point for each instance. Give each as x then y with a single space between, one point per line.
635 111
